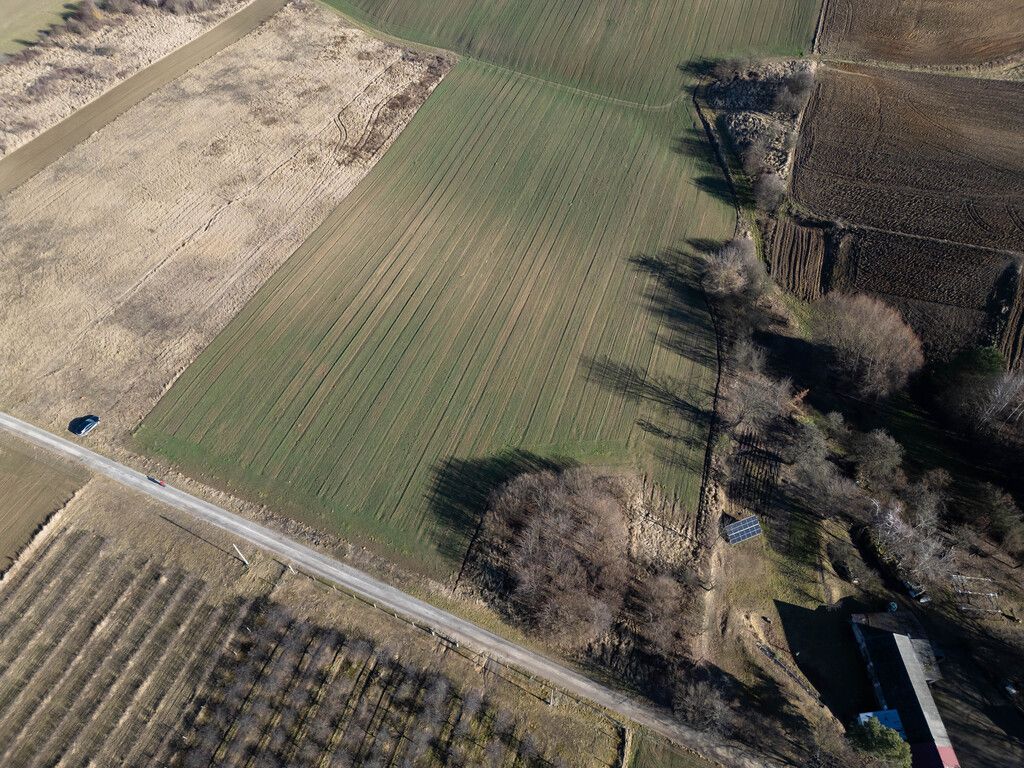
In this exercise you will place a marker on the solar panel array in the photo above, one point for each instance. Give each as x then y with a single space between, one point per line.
743 530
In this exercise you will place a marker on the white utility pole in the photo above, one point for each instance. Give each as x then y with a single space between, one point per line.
241 555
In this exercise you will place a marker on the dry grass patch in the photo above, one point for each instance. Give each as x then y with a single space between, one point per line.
46 82
121 261
33 486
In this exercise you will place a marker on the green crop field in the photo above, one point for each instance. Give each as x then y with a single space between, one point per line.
512 276
622 48
21 21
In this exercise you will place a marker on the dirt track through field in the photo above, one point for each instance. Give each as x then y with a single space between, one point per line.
26 161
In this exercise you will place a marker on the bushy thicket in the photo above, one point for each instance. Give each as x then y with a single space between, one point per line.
564 539
870 343
174 6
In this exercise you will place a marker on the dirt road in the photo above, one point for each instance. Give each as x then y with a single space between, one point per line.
394 600
26 161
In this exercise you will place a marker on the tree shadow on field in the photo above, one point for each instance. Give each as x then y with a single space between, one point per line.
693 142
677 300
699 67
461 490
681 416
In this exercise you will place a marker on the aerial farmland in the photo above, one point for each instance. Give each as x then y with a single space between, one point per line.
101 276
511 383
477 300
140 644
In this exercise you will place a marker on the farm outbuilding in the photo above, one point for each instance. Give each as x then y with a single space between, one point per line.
901 665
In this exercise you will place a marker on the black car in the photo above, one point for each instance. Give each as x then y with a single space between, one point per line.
83 425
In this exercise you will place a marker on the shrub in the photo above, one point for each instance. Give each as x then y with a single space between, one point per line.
769 191
187 6
702 704
86 19
884 743
564 538
121 6
870 343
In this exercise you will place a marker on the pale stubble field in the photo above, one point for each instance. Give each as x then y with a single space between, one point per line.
121 261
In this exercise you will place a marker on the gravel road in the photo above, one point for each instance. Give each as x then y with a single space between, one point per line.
394 600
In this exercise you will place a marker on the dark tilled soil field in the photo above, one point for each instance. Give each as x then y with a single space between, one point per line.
926 155
923 31
796 256
897 265
954 295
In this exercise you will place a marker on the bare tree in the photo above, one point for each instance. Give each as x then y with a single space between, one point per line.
870 342
729 69
917 550
564 540
735 270
1001 518
1003 402
755 157
769 191
702 704
879 459
754 400
830 750
794 92
736 279
663 608
925 502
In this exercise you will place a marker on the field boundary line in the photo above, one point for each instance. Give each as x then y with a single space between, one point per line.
36 154
854 227
819 27
397 602
990 70
457 56
723 162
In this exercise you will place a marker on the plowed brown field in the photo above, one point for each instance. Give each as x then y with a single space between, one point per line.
926 176
925 155
796 256
923 31
919 154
